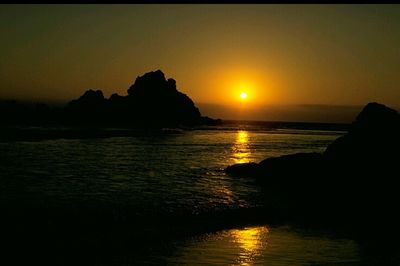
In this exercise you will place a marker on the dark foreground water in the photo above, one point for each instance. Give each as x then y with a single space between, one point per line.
166 189
263 245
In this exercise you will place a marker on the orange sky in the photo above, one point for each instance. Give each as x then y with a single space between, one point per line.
278 54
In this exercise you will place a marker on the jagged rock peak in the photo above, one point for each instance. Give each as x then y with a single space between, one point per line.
92 94
376 116
154 81
90 97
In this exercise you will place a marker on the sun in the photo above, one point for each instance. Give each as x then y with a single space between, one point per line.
243 95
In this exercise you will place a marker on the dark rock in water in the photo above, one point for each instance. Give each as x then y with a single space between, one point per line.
353 183
152 82
91 98
373 137
87 109
116 98
269 169
291 163
243 169
288 179
152 102
364 163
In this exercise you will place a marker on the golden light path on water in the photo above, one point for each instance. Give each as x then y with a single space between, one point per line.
262 245
239 153
229 247
258 245
251 242
241 150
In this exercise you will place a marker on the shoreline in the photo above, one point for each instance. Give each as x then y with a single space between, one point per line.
37 133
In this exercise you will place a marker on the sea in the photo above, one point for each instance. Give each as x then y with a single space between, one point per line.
171 189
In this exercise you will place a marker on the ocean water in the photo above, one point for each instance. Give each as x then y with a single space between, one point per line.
168 172
262 245
171 175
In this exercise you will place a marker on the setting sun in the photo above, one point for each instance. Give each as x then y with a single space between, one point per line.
243 95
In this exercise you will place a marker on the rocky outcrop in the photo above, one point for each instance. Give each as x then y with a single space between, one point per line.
244 169
370 143
91 98
362 165
354 180
152 102
373 137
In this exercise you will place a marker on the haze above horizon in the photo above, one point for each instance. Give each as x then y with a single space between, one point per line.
275 54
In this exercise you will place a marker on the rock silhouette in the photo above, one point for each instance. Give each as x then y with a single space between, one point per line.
373 136
152 102
353 183
156 101
89 108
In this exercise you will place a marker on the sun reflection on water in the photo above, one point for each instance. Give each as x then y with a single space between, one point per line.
241 150
262 245
251 242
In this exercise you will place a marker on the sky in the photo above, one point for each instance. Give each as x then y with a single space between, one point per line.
282 56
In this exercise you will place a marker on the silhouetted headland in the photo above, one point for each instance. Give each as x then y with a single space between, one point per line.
153 102
352 185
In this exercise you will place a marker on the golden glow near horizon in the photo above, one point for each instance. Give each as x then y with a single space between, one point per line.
247 88
242 89
227 50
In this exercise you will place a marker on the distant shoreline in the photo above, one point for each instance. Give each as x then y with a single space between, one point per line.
37 133
291 124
